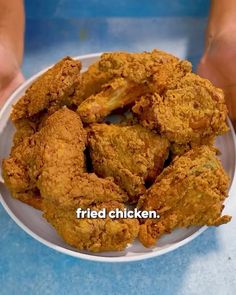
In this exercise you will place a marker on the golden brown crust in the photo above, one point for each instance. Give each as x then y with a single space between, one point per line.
142 67
56 146
178 110
120 78
26 127
190 191
50 91
179 149
96 235
47 171
92 81
193 110
132 155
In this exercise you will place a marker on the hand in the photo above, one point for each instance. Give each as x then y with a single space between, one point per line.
10 74
218 64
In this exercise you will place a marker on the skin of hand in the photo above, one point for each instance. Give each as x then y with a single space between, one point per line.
218 65
12 23
10 74
218 61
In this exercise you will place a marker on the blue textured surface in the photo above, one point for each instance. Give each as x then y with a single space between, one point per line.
104 8
205 266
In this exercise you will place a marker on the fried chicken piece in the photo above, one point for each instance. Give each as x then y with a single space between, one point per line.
179 149
96 235
189 192
79 190
128 77
84 191
132 155
32 197
26 127
50 91
114 95
58 145
194 110
142 67
135 67
92 81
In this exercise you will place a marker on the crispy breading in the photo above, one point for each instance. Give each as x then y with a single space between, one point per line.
96 235
58 165
190 191
50 91
47 171
192 110
53 161
141 67
81 189
26 127
59 145
92 81
179 149
132 155
128 77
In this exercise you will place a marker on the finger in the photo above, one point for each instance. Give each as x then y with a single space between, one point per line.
9 89
230 94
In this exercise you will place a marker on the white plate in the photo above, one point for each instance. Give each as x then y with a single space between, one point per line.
31 221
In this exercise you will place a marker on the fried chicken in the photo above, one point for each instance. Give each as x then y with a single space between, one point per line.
50 91
170 110
179 149
144 67
190 191
26 127
132 155
86 190
114 95
127 77
195 109
47 171
62 136
92 81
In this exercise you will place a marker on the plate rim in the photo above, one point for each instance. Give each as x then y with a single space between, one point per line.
84 256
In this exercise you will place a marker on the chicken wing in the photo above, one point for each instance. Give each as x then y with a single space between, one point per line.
190 191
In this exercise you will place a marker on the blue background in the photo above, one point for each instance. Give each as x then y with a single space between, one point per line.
57 28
